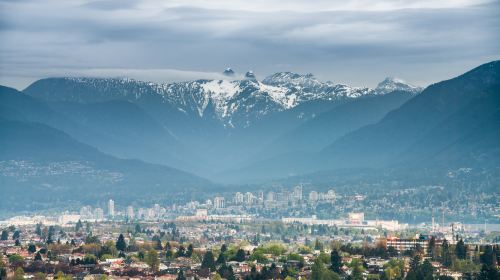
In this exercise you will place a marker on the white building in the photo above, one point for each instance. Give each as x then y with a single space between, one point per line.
313 196
356 218
111 208
130 212
201 213
219 202
238 198
270 196
68 218
297 193
249 198
99 214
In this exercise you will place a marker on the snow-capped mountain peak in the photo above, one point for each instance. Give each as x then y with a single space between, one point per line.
236 103
391 84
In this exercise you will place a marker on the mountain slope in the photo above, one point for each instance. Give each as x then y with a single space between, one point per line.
420 118
41 163
117 127
208 125
318 132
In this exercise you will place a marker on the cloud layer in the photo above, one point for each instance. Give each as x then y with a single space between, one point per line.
355 42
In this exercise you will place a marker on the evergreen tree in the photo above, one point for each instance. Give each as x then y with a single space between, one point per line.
488 257
189 251
445 254
180 275
49 238
32 248
121 245
38 229
461 250
221 259
431 248
208 261
336 261
415 262
17 243
488 272
426 271
169 254
5 235
159 247
38 256
16 235
226 272
78 226
181 252
240 255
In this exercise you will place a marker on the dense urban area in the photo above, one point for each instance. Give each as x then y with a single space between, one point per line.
262 235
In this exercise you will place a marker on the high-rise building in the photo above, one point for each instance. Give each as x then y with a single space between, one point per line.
249 198
270 196
86 212
130 212
313 196
238 198
219 202
297 192
157 210
111 208
99 214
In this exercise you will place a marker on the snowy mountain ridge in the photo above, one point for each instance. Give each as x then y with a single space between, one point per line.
233 102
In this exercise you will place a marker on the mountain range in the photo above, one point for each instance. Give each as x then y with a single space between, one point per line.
242 131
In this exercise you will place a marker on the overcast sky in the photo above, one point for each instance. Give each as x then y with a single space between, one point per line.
357 42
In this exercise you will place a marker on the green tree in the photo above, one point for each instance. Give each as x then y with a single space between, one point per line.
208 261
5 235
488 272
240 256
446 254
16 235
320 272
19 274
336 261
38 256
181 252
31 248
121 245
38 229
461 250
40 276
158 246
189 251
426 271
221 259
488 257
152 260
16 260
357 269
180 275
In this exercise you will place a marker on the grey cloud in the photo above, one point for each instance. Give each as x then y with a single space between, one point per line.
417 40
